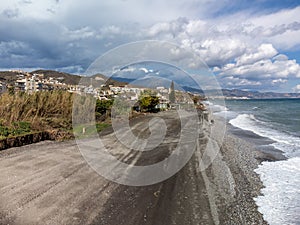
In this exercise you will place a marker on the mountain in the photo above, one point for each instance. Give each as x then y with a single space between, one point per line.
122 79
236 93
193 90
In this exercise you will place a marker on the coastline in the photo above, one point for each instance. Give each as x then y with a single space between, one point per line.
237 160
272 127
221 194
261 145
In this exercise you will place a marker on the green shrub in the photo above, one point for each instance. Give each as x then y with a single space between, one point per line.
4 131
101 126
102 106
21 127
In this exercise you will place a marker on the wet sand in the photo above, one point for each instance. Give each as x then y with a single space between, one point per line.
51 183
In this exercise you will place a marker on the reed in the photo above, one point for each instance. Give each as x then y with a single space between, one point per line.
43 110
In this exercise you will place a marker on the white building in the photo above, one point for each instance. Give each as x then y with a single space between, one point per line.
2 87
31 84
126 89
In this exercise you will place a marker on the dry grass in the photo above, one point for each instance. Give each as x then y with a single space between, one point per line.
22 113
43 110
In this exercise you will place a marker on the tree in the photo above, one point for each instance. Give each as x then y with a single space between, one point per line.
102 106
196 99
148 102
172 93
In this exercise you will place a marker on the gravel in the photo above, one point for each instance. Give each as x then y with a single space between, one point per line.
50 183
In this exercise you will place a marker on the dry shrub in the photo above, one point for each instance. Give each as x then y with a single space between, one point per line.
43 110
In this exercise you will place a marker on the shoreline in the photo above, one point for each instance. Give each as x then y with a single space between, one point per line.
221 194
256 152
242 158
265 152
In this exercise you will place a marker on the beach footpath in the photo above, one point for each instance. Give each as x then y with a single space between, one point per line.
51 183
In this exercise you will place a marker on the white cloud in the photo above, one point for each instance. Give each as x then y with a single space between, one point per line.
266 72
297 88
159 28
278 81
30 9
280 57
232 81
222 50
171 29
196 27
277 18
281 28
264 51
115 11
78 34
264 68
243 48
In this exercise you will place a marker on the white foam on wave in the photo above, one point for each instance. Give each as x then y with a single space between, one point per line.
218 108
225 114
280 202
287 143
215 107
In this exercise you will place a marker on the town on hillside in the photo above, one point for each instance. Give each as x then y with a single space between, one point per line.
168 97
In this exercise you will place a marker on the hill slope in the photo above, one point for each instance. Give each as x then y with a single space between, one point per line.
68 78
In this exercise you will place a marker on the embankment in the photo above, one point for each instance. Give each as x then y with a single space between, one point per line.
31 138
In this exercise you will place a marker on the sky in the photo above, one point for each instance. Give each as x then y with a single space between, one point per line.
249 45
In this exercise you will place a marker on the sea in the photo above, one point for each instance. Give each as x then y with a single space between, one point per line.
273 125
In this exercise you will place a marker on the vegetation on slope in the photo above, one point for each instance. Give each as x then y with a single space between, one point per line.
23 113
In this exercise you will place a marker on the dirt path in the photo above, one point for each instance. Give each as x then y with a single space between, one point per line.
51 183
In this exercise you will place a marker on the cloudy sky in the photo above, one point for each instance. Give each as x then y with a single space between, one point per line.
251 45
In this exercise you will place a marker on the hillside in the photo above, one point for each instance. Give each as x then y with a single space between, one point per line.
10 77
68 78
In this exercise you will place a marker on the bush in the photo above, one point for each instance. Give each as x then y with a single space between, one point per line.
4 131
102 107
21 128
40 109
17 128
148 103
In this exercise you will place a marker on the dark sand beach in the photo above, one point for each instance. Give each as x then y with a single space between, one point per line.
50 183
